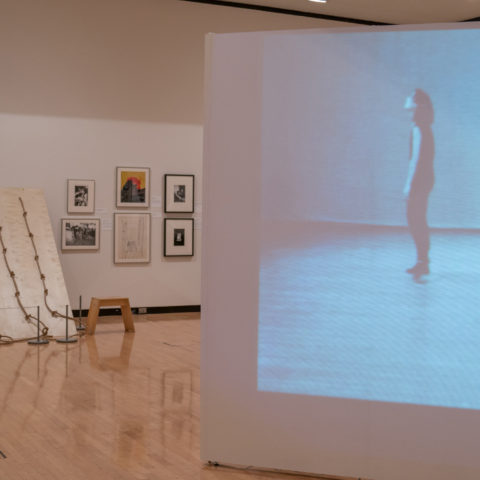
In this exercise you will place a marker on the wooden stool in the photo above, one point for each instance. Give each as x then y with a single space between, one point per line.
95 305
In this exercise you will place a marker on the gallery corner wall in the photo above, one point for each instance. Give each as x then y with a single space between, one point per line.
91 85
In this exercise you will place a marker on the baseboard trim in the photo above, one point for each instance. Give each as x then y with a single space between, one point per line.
105 312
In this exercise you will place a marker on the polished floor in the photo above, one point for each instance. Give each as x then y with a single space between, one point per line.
114 406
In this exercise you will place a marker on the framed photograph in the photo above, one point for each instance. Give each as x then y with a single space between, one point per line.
179 193
80 196
132 238
80 234
133 187
178 237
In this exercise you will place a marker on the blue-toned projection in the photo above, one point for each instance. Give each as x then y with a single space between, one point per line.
370 249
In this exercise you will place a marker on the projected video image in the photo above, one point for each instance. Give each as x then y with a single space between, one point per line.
370 249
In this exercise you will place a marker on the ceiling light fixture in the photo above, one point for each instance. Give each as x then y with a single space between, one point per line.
318 1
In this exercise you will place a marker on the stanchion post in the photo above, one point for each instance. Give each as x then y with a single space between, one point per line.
80 326
66 339
38 340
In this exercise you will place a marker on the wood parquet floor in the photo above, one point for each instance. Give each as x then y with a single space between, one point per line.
114 406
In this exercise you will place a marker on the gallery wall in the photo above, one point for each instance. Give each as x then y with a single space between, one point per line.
90 85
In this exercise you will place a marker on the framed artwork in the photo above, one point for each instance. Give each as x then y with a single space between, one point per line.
179 193
80 234
80 196
132 238
178 237
133 187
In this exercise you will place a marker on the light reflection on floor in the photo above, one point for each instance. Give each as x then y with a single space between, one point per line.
340 317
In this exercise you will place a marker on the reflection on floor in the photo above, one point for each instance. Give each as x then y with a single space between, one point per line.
114 406
340 317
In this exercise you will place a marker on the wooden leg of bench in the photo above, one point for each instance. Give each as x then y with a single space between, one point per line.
92 316
127 316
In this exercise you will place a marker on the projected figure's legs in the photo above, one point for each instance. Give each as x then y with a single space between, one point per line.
417 206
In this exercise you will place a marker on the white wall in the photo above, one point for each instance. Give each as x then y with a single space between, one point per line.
45 151
88 85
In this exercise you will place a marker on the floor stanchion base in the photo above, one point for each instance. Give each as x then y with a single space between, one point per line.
66 340
38 341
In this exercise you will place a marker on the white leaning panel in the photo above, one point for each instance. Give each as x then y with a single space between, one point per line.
21 258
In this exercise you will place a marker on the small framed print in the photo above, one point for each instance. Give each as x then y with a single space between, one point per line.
133 187
80 196
80 234
178 237
132 238
179 193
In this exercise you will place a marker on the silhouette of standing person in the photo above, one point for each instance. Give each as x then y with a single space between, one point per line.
420 177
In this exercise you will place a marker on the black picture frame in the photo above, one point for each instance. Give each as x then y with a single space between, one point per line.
178 237
179 193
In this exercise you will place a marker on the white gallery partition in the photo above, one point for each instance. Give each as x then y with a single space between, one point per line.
322 351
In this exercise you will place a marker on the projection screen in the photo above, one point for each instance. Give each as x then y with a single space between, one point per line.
341 268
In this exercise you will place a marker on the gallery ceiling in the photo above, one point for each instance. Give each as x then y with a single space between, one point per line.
384 11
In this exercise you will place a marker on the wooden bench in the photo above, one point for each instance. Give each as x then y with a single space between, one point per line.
95 305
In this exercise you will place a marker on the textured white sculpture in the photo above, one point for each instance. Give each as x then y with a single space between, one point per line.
21 258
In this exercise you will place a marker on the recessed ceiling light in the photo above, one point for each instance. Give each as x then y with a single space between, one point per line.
318 1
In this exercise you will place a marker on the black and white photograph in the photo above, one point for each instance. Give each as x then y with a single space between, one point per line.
81 196
178 237
179 193
81 234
